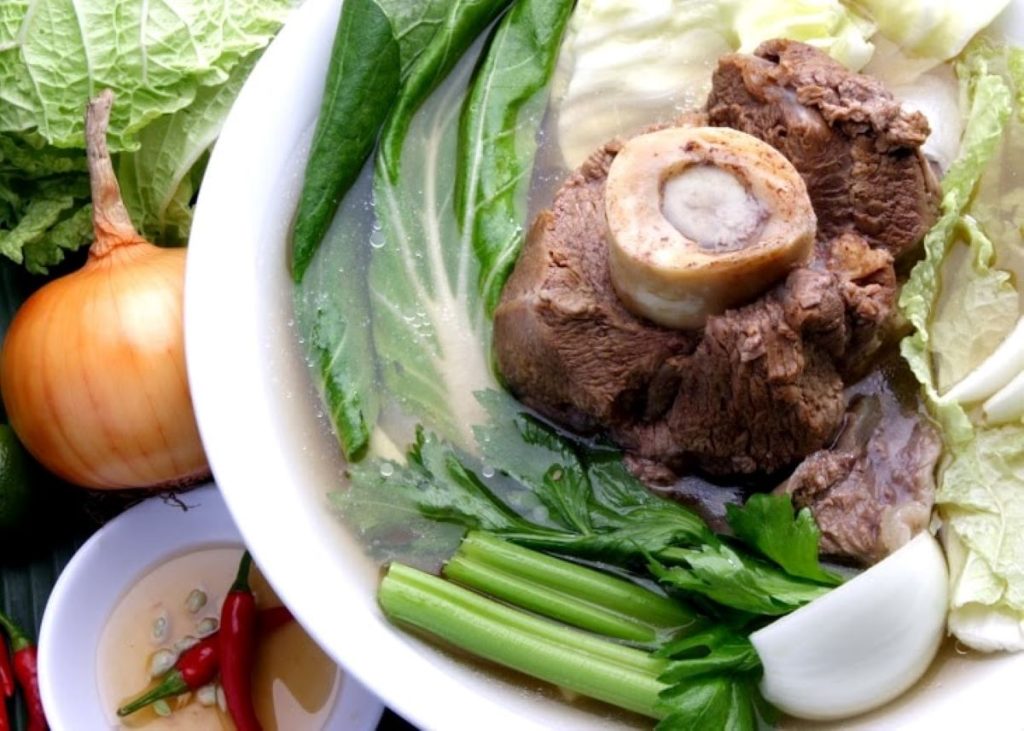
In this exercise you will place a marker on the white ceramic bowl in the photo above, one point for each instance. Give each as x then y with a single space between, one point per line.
276 463
102 571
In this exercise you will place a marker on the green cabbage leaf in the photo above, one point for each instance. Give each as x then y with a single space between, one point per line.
56 54
936 29
176 67
627 64
961 302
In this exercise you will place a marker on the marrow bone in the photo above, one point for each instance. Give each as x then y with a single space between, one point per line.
700 220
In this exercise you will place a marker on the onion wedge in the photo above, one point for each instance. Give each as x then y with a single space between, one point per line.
863 643
995 372
1008 403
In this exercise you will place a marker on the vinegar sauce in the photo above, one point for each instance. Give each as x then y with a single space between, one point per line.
295 684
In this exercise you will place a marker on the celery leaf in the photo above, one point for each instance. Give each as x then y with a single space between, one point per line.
767 524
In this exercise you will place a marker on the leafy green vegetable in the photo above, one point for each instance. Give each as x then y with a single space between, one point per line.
836 28
960 344
934 30
465 20
979 493
68 234
982 491
44 209
156 180
175 67
726 577
714 675
711 703
549 491
501 117
989 108
332 313
56 54
768 524
711 650
44 197
429 326
605 514
332 301
630 63
376 44
363 80
429 329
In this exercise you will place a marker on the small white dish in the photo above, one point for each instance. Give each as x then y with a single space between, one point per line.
102 571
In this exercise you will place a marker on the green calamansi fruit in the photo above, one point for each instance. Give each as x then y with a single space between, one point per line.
15 483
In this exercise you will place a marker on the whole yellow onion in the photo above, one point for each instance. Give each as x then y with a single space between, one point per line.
93 366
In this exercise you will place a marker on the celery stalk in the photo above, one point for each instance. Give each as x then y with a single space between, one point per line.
552 652
562 590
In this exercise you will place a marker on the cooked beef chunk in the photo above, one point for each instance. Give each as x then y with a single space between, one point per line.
757 390
760 386
874 490
565 343
758 393
856 147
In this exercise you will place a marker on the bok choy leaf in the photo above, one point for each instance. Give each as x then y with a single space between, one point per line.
429 327
332 315
331 304
376 44
363 79
465 20
498 135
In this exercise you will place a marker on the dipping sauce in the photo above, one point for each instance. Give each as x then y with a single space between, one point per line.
295 684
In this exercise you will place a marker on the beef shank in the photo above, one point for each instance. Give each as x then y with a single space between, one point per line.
760 386
857 148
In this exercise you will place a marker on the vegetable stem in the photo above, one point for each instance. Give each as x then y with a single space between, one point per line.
110 217
562 590
566 657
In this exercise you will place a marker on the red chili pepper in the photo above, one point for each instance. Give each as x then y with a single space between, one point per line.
6 684
6 673
26 670
238 649
198 665
271 618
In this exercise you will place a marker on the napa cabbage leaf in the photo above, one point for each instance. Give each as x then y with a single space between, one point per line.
981 490
175 66
629 64
936 29
57 54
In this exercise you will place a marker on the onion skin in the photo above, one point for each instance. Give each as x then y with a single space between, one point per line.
92 370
